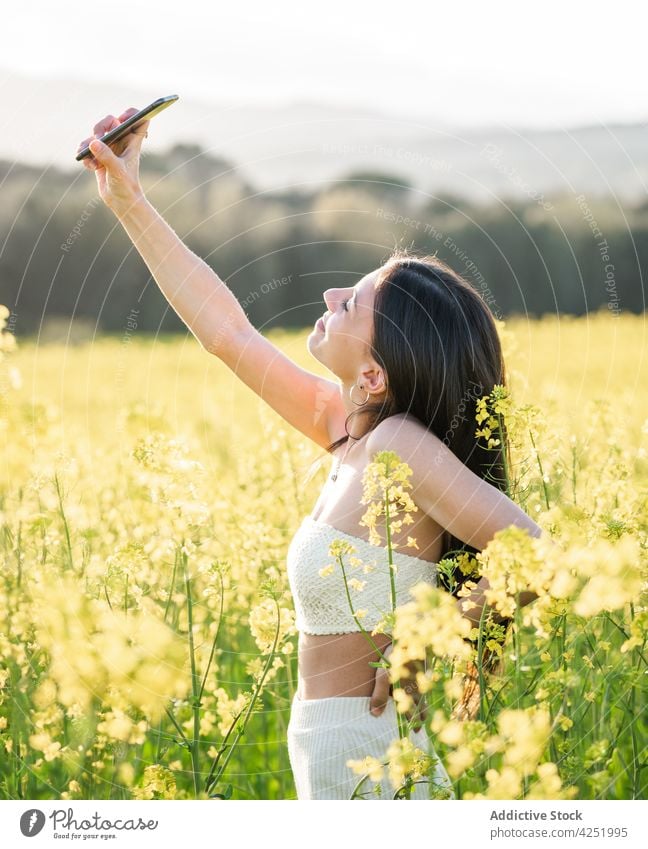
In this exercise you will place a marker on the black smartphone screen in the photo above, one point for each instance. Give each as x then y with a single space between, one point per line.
143 115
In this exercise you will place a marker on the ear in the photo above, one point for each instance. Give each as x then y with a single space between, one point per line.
372 378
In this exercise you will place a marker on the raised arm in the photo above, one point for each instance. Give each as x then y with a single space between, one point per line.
203 301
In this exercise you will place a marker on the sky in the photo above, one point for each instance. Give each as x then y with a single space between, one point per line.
464 63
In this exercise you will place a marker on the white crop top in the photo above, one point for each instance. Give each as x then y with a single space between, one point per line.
321 603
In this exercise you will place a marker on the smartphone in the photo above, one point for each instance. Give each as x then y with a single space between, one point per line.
143 115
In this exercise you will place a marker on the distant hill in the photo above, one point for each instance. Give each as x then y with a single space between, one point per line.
279 147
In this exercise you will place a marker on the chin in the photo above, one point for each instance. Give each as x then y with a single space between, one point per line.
311 344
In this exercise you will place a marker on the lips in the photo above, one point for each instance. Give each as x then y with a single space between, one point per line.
321 321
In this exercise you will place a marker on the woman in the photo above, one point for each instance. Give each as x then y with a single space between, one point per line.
412 347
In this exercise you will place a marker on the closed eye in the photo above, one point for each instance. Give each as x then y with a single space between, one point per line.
344 304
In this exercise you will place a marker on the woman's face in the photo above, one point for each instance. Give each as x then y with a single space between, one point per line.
341 338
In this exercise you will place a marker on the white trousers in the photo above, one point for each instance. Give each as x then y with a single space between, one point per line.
324 733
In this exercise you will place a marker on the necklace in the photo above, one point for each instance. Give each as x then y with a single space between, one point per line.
339 462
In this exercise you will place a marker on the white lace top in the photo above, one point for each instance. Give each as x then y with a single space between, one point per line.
321 603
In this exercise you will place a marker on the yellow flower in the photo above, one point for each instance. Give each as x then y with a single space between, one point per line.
266 619
405 760
613 573
432 620
452 734
459 761
526 733
506 784
158 782
340 547
368 765
549 784
227 709
402 700
116 725
385 481
44 743
126 773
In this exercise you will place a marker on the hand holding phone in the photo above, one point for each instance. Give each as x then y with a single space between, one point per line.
128 122
115 155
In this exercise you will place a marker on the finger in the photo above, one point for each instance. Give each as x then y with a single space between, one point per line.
380 695
105 125
109 123
104 155
124 115
87 161
128 147
141 129
131 145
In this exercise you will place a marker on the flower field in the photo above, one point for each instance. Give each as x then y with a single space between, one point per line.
147 640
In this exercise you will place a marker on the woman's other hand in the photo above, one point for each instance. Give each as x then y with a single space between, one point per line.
383 690
116 165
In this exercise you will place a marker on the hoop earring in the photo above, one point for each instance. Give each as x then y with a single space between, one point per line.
362 403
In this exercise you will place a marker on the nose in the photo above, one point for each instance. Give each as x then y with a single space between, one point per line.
328 294
332 298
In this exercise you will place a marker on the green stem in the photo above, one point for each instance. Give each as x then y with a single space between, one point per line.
65 524
498 694
392 580
172 587
542 476
616 625
213 777
213 648
178 728
402 730
195 682
353 613
480 667
166 613
503 455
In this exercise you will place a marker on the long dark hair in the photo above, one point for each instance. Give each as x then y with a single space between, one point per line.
437 342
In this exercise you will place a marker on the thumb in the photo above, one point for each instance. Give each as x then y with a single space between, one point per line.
104 155
380 693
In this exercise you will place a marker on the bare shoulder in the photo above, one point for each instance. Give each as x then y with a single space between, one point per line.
403 434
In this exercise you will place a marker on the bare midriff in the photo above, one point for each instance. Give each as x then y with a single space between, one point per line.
338 664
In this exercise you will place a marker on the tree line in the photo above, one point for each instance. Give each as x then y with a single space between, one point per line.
64 254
